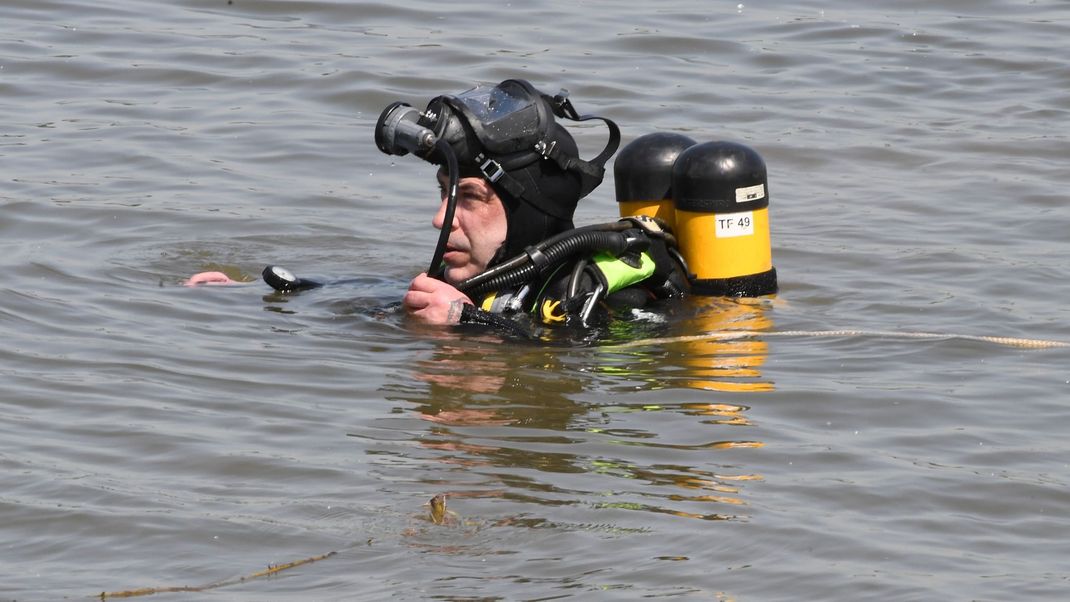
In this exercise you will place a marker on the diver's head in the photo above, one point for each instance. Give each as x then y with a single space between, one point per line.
507 135
547 204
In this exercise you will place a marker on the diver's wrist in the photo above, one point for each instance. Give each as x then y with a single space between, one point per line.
459 312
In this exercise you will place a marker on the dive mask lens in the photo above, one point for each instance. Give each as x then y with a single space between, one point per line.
489 104
505 118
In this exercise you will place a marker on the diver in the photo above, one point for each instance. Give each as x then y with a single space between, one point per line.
511 251
511 176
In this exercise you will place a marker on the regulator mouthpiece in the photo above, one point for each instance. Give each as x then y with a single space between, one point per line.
399 132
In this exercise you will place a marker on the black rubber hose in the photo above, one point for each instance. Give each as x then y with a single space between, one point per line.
522 259
549 257
451 206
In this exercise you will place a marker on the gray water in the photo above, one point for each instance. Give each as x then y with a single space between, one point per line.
156 436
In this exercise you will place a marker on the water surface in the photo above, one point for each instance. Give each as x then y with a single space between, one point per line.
157 436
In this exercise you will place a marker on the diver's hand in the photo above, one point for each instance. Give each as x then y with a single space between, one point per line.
433 301
216 278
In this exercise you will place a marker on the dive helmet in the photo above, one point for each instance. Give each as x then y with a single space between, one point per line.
507 134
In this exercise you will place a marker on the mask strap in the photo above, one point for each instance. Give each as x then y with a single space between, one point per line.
494 173
499 177
591 172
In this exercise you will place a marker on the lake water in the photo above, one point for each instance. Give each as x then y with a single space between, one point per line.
156 436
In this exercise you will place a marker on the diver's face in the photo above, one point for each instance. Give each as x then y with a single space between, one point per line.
478 230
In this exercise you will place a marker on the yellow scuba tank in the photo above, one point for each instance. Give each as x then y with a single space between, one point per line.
721 193
720 200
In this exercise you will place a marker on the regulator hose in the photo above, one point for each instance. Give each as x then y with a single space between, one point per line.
543 257
451 205
520 260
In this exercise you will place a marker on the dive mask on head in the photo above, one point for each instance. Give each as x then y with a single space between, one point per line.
493 130
504 119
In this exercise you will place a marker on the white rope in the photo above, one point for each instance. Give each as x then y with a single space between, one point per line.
729 335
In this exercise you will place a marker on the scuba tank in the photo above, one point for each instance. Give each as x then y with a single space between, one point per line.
719 198
642 174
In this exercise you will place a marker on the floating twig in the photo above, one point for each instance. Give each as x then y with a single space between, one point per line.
271 570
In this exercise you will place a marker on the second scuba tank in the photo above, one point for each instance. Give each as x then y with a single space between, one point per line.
721 194
642 173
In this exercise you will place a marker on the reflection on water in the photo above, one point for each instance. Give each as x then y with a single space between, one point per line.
711 365
541 426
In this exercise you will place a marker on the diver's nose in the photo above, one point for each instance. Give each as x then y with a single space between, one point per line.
440 216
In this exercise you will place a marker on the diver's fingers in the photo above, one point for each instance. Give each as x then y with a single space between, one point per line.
425 283
416 300
433 301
